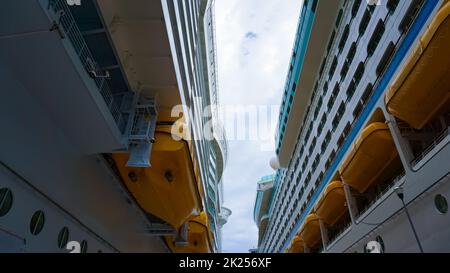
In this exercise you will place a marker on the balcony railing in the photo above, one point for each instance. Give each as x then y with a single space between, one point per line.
381 193
67 27
338 234
431 147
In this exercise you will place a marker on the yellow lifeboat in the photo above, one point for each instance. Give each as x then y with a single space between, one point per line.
199 238
371 154
422 89
331 205
168 189
310 231
297 246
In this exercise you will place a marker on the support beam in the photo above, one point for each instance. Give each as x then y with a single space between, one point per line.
351 202
402 145
182 236
324 233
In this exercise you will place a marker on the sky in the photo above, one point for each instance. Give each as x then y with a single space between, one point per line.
254 46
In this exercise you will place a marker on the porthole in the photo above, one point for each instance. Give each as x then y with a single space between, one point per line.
441 203
84 246
6 201
63 237
37 222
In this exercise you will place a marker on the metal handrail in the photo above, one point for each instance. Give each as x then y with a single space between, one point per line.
382 193
431 146
65 20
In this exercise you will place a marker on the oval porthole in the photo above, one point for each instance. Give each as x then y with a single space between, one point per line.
84 246
441 203
63 237
37 222
6 201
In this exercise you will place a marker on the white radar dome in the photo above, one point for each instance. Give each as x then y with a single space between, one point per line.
274 163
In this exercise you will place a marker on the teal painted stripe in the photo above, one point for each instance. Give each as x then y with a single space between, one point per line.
396 61
304 33
257 207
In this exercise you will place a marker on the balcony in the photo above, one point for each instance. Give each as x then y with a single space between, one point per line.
314 29
63 70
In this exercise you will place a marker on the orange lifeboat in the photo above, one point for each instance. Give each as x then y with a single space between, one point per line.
371 154
421 91
331 205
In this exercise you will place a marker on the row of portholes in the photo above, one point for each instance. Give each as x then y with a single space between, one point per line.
37 220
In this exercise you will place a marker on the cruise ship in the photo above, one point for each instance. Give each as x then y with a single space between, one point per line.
101 110
362 142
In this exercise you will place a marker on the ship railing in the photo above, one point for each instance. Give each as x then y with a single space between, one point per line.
64 21
381 193
431 147
338 233
366 208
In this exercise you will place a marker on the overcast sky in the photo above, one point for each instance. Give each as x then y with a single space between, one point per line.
254 44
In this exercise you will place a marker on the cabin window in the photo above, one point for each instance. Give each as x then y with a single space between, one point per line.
441 204
325 142
311 147
410 15
332 68
376 37
364 22
358 110
344 69
84 246
367 93
344 38
348 60
339 114
351 90
359 73
37 222
6 201
333 97
322 123
330 42
392 5
385 59
63 237
339 17
355 8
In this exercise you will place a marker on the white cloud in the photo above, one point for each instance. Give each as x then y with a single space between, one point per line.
255 40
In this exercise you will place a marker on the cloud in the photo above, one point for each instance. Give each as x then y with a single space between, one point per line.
251 35
254 46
